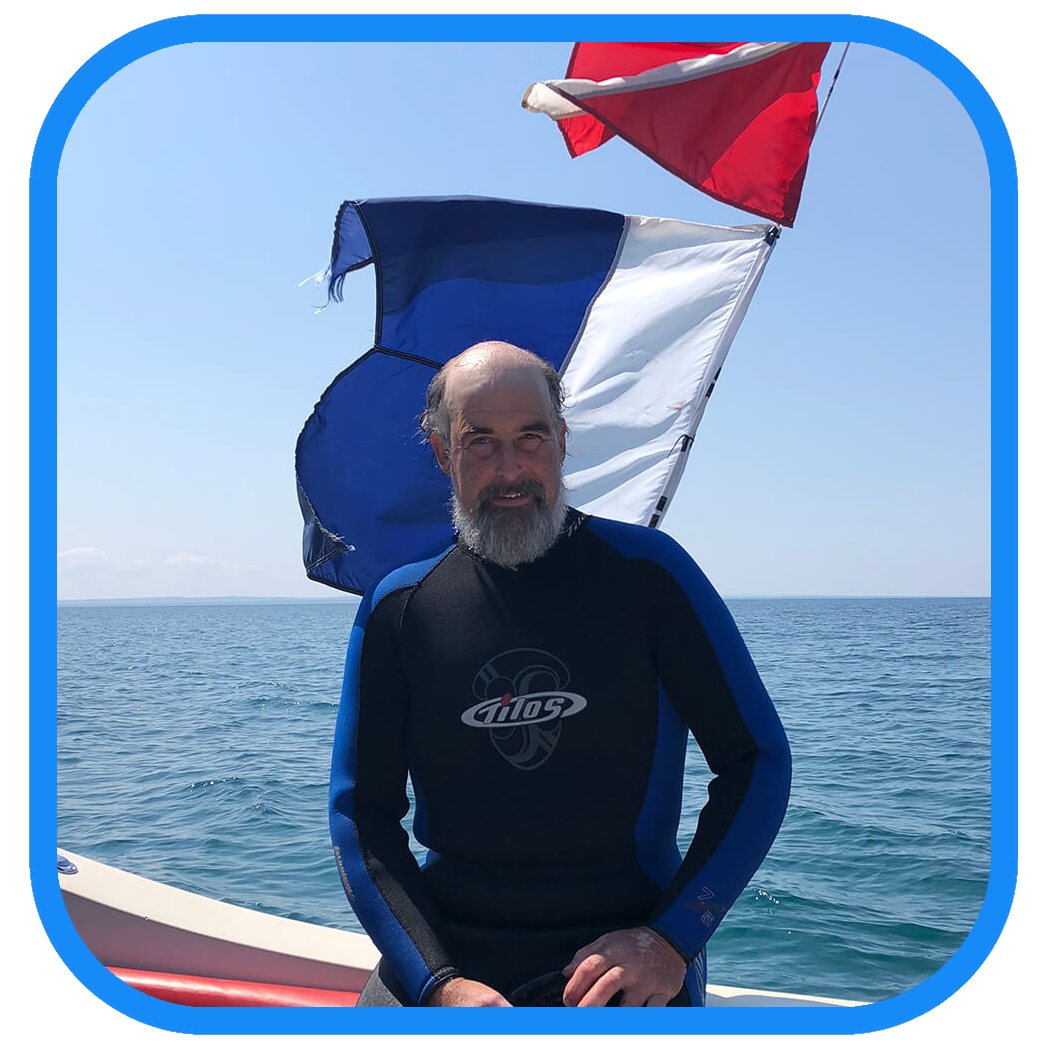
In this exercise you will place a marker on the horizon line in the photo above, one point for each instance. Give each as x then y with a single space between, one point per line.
242 599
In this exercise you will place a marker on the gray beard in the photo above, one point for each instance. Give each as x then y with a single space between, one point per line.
510 537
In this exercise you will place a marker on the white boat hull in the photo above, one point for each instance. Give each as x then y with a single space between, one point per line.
133 923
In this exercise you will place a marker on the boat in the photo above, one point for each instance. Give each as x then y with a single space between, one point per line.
188 949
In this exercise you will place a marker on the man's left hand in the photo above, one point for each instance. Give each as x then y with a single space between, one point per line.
637 962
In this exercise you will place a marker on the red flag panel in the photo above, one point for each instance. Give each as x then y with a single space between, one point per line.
741 135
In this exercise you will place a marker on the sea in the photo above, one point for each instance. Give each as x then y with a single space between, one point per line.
194 742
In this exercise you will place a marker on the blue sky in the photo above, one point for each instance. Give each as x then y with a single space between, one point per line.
845 450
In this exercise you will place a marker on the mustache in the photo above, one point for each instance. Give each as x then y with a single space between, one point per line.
529 487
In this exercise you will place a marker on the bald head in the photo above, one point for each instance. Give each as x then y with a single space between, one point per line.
489 363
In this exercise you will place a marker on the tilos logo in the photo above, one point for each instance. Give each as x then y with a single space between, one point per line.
522 700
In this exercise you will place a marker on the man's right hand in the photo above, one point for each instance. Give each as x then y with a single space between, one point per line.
461 992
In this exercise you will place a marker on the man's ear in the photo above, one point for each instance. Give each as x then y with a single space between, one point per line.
441 452
562 441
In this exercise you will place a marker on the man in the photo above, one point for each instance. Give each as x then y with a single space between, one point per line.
537 680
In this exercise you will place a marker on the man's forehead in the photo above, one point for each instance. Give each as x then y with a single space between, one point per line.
512 389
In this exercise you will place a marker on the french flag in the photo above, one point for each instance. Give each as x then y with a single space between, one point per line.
636 313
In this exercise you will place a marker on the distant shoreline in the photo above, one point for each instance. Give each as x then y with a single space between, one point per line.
343 597
228 600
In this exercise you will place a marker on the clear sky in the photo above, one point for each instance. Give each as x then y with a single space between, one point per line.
846 447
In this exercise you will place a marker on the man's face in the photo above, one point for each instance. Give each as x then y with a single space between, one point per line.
505 455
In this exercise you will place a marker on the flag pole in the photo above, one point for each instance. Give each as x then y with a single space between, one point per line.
828 94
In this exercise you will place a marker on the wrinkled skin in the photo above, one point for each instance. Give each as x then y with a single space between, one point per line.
462 992
637 962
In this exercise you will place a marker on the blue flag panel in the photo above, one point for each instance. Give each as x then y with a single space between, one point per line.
449 272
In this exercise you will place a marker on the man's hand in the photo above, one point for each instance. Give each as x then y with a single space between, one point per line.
637 962
461 992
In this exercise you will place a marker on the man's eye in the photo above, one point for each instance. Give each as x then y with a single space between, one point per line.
482 446
530 442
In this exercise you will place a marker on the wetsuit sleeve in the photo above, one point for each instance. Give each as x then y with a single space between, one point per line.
368 800
706 672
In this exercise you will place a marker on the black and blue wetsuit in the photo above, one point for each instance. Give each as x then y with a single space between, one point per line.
542 714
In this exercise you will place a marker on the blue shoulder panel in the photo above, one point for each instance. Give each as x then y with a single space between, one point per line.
369 904
694 913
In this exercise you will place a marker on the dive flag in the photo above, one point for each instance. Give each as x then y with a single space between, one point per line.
734 119
636 313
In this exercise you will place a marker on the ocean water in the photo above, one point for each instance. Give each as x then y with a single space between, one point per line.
194 742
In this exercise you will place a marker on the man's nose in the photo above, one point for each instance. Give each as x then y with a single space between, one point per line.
510 466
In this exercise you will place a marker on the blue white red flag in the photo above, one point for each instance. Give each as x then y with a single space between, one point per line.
637 314
733 119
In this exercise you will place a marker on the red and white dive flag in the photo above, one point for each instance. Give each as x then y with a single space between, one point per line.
735 120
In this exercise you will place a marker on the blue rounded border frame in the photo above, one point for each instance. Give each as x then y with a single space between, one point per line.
43 512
